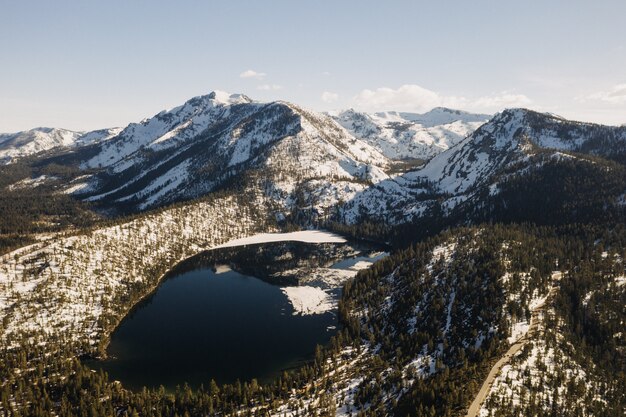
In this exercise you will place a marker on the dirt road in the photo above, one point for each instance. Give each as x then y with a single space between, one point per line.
535 318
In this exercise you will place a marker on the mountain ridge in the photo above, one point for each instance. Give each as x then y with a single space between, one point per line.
402 135
312 161
438 116
40 139
511 143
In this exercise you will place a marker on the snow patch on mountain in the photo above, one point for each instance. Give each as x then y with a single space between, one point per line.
31 182
164 184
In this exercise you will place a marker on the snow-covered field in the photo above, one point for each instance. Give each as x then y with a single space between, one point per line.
309 300
306 236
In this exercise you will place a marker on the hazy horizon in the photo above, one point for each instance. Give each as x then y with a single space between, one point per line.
90 66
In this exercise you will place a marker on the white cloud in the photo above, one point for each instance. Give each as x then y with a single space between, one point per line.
269 87
616 95
252 74
412 97
328 97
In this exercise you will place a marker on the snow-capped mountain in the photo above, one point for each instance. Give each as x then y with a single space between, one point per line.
515 135
325 165
514 142
167 129
29 142
409 135
193 149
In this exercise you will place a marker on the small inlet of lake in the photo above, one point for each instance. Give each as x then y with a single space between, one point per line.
229 315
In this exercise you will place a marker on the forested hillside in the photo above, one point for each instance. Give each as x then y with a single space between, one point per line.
440 313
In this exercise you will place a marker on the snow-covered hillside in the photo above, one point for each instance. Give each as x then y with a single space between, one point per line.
167 129
71 286
190 150
557 368
409 135
510 137
511 143
29 142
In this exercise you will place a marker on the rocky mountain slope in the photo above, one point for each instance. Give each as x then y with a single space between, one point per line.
202 145
213 140
516 144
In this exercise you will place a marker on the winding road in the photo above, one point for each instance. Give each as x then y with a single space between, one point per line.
535 318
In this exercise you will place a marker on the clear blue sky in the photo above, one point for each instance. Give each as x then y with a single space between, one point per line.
87 64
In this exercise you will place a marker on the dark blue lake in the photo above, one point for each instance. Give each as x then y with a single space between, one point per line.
202 325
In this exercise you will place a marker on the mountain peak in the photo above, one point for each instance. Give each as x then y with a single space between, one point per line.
44 129
222 97
520 112
215 98
531 117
